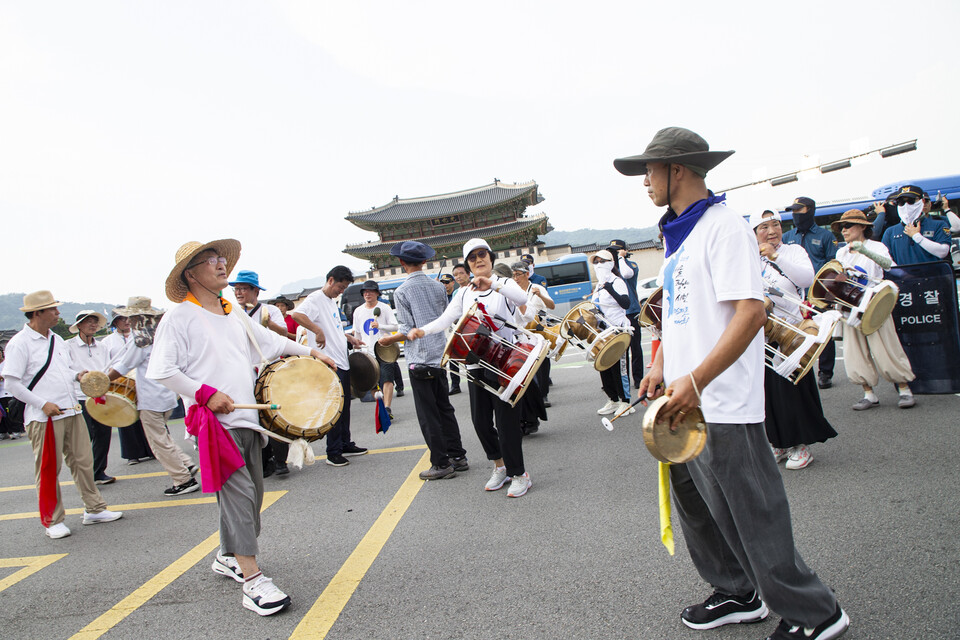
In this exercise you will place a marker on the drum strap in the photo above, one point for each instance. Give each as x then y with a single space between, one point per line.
254 310
256 345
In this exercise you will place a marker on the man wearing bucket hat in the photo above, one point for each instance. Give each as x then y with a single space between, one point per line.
246 289
206 350
154 401
89 355
133 441
821 246
420 300
712 356
916 238
39 372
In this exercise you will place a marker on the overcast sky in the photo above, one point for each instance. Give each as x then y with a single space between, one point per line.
128 128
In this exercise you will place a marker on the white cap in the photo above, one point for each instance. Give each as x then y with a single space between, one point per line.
603 255
758 219
473 244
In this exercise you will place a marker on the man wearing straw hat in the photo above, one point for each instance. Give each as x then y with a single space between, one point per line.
39 372
154 400
89 355
206 350
731 499
133 441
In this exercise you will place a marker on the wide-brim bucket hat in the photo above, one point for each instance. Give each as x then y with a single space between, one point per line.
674 145
176 288
139 306
855 216
83 315
39 300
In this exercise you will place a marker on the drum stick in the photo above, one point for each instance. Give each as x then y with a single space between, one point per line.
75 407
884 262
608 423
273 407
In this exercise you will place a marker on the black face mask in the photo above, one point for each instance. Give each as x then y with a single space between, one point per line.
803 221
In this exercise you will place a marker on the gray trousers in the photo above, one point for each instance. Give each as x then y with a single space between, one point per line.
735 518
241 497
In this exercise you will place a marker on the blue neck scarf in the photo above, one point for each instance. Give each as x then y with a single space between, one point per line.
676 228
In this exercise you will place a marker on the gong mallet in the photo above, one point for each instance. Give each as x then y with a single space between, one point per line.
270 407
608 422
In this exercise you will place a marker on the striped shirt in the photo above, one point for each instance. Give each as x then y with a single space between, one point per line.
419 301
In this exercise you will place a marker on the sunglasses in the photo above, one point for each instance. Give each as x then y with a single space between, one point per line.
479 253
850 225
210 261
906 200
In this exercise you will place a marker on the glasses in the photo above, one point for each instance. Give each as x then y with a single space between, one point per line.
906 200
479 253
210 261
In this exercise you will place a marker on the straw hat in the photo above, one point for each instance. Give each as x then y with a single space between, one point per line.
83 315
854 216
138 306
39 300
176 288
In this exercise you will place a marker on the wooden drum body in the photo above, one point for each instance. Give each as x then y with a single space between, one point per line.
118 406
308 393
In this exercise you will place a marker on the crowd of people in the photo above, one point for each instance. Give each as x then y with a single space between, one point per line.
723 280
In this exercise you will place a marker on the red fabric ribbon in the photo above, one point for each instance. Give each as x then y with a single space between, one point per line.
218 453
100 400
487 320
47 491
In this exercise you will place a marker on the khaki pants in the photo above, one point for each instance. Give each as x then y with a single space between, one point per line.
167 453
73 446
866 358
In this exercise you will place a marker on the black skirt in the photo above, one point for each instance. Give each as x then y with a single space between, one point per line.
794 413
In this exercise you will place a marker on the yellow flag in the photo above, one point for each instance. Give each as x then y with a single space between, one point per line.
666 528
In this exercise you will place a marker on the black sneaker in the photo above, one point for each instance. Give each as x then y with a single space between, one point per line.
824 381
833 627
353 450
282 469
399 393
105 479
269 468
721 608
337 460
460 464
454 391
189 486
193 469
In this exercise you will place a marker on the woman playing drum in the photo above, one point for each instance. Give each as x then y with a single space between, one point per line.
500 297
612 299
868 357
794 415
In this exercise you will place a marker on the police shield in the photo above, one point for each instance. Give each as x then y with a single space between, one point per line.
926 321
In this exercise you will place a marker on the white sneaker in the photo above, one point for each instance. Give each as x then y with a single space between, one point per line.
227 566
608 408
497 479
624 408
104 516
779 455
263 597
800 457
519 485
57 531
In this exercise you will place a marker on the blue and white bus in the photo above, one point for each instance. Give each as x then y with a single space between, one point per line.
568 280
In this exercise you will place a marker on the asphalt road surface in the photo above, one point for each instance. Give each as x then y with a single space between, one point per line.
369 551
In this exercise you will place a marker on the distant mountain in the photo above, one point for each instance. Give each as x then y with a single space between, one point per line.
601 236
12 318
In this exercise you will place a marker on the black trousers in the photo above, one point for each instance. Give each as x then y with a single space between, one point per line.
438 422
828 358
454 378
133 442
339 436
637 367
100 435
505 440
543 378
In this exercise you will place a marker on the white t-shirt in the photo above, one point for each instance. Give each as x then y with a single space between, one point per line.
788 275
362 319
92 357
324 312
114 344
214 350
613 313
852 259
3 390
534 304
718 263
151 395
270 310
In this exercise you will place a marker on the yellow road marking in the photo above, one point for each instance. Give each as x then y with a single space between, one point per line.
154 585
30 564
158 474
134 506
325 611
